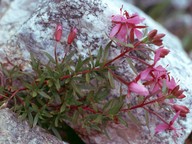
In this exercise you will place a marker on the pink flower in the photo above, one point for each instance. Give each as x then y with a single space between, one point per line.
160 53
174 89
167 126
154 78
72 35
126 27
138 89
58 32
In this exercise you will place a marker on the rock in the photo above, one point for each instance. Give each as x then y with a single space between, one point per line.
15 131
12 15
92 19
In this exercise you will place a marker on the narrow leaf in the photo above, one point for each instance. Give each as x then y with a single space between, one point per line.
111 79
36 120
133 118
132 66
56 133
43 94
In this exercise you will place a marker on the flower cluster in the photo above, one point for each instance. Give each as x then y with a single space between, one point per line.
154 82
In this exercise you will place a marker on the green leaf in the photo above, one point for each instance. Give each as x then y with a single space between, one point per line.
30 117
43 94
140 99
164 88
34 93
63 107
87 77
99 55
113 106
51 59
106 52
75 117
133 118
46 114
36 120
57 121
131 65
56 133
79 64
98 119
57 97
122 121
102 94
34 63
49 83
122 43
111 80
23 116
76 89
35 107
116 106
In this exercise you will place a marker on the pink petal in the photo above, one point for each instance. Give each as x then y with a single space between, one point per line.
174 118
171 84
138 33
156 88
161 127
157 55
135 20
115 30
144 75
122 34
118 19
138 89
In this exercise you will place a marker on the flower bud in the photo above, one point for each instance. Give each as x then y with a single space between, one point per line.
157 42
181 96
58 32
183 109
158 36
72 35
164 52
151 34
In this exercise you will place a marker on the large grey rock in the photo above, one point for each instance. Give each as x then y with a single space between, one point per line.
15 131
13 14
92 19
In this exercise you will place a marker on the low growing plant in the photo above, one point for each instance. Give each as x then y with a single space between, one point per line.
64 92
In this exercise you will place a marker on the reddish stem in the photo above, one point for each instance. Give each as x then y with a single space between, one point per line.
143 104
79 73
152 112
119 56
15 92
118 77
136 58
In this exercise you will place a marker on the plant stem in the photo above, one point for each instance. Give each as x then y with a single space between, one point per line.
143 104
119 56
15 92
79 73
55 53
142 61
154 113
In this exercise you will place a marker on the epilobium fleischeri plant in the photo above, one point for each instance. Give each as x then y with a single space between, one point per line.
78 92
